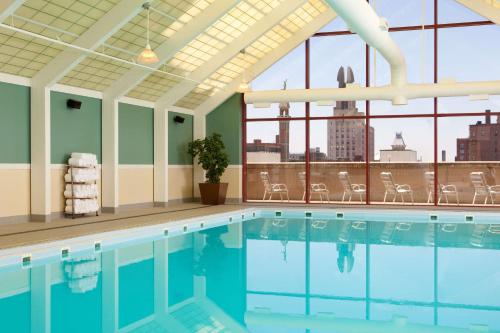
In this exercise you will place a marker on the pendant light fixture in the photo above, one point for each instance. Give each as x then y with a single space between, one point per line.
245 81
147 56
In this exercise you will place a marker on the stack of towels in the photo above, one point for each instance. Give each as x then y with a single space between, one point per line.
82 196
82 274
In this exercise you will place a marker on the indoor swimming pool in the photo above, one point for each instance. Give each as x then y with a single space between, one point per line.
264 271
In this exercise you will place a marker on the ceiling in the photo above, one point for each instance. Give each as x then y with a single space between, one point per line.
193 68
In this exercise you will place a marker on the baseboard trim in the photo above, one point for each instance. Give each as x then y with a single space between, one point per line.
231 201
15 219
41 218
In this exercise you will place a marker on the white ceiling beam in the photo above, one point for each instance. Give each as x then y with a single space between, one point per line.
8 7
485 8
268 60
229 52
97 34
170 47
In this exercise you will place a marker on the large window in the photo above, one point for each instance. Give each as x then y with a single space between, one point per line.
434 151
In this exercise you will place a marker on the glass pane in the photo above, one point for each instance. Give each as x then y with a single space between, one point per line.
404 153
414 106
275 160
450 11
338 160
418 49
468 54
405 13
330 53
469 153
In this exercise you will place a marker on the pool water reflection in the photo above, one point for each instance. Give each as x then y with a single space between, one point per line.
270 275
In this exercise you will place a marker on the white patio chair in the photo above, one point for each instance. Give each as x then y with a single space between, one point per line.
391 188
443 190
350 188
271 189
481 188
319 188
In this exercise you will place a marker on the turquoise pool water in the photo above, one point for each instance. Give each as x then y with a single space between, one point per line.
270 274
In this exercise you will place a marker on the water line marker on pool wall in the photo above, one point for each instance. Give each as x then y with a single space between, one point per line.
26 260
165 232
308 214
469 218
433 217
278 213
97 246
202 225
65 253
340 215
185 228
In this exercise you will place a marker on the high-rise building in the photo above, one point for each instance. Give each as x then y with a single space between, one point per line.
346 137
483 143
284 134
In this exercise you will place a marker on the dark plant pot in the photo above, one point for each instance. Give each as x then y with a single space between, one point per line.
213 194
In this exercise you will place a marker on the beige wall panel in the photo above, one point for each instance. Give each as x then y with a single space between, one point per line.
14 192
233 175
136 185
180 182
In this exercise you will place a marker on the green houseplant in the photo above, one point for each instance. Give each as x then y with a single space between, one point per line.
213 158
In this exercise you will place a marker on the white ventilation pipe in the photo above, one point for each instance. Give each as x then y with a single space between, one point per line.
389 93
362 19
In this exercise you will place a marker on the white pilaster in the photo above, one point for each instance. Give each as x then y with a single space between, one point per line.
199 132
40 299
160 156
110 186
40 153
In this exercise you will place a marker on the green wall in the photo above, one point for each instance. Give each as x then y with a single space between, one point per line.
74 130
226 120
179 135
14 123
135 131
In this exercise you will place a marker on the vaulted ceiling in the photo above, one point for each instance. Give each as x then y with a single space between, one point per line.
198 43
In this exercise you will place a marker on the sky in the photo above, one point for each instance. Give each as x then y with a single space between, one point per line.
464 54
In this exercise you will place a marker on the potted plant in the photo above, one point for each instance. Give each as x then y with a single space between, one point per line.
214 160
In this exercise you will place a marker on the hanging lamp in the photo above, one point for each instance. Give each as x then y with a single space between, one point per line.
245 84
147 56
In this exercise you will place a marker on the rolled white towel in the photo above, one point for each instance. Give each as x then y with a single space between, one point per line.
83 285
82 162
82 175
86 156
81 191
82 206
78 270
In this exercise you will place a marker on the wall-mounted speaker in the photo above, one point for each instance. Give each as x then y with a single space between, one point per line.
73 104
179 119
